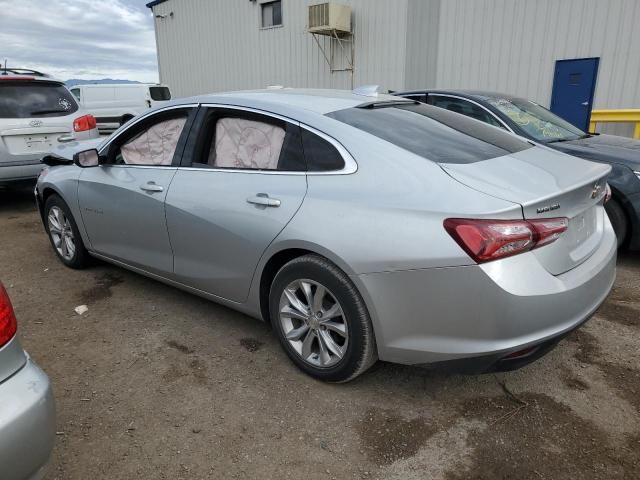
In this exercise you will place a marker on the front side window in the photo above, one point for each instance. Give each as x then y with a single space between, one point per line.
152 144
463 107
538 122
232 139
25 99
271 14
432 133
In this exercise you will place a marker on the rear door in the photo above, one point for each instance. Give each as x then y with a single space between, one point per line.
240 184
122 200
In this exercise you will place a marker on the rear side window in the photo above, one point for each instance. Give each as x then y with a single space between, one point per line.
320 155
24 99
432 133
239 140
160 94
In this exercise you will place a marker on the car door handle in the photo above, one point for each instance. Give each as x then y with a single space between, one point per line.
151 187
263 200
585 103
66 138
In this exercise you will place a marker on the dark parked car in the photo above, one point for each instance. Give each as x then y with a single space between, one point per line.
530 120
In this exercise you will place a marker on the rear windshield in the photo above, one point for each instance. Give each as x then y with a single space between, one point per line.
159 94
24 99
433 133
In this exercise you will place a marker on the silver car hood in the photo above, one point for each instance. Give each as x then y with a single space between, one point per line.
529 176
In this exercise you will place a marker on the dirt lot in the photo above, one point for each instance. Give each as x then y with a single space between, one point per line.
155 383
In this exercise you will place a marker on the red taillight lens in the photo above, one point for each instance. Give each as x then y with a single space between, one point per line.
486 240
84 123
548 229
8 324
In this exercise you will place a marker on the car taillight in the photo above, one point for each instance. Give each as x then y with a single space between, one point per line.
8 324
485 240
84 123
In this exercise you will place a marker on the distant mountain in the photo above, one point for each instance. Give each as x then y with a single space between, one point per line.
76 81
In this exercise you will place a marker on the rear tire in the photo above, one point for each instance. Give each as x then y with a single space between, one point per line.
321 320
125 119
64 234
618 220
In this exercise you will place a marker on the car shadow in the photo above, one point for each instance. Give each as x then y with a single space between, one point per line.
17 199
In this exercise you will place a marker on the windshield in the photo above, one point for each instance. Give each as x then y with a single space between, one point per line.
25 99
536 121
433 133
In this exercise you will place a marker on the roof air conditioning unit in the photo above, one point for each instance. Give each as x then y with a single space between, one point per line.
326 18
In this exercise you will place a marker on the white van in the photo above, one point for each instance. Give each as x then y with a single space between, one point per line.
115 104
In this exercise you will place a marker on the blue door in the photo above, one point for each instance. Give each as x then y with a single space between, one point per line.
574 84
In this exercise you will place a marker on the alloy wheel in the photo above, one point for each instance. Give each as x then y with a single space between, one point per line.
313 323
61 233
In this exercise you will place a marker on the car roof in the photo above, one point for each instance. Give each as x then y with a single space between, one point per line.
27 77
279 100
471 94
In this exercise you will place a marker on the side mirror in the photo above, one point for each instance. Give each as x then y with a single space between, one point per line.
86 159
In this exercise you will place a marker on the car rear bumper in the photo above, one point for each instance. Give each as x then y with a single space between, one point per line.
27 424
483 313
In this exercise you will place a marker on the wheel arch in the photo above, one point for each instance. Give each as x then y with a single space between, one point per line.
627 210
47 191
279 257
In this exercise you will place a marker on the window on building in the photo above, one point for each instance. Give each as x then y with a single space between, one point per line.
271 14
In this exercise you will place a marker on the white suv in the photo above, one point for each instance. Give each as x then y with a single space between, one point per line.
37 113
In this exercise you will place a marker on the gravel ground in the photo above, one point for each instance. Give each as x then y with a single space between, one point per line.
155 383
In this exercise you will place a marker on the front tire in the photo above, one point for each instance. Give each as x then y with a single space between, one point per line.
321 320
64 234
618 220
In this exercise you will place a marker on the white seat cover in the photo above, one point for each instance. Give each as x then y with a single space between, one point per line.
248 144
154 146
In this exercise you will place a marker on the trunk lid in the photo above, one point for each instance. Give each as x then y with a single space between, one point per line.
35 116
22 138
547 184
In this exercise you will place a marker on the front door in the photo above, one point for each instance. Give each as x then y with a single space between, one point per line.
122 200
574 85
238 188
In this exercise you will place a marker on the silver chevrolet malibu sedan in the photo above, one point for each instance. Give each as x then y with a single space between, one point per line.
360 227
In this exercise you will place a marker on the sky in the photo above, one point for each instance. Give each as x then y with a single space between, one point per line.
87 39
